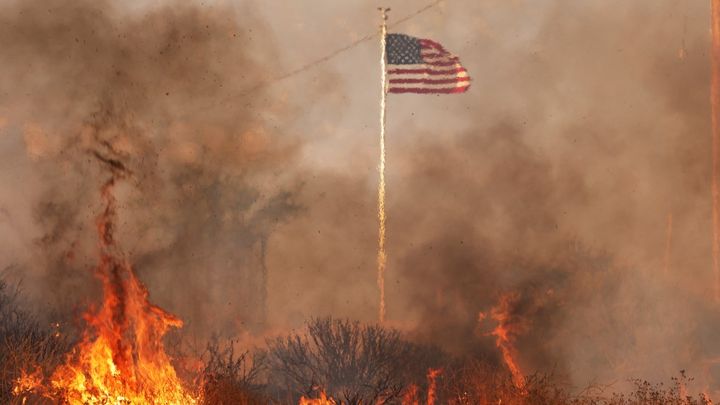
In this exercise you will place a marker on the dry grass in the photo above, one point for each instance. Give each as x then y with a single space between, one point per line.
24 343
479 383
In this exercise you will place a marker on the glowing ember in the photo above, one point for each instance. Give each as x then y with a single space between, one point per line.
121 358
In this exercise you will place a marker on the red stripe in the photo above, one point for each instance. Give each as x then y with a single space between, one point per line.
425 90
430 81
430 44
427 71
453 63
438 49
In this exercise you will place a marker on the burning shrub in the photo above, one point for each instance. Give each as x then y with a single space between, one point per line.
353 363
24 343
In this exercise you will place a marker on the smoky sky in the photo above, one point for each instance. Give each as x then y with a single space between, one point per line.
252 204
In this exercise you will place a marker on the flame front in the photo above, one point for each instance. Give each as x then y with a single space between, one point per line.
121 357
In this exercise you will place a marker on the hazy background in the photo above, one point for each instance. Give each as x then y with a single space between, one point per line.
252 204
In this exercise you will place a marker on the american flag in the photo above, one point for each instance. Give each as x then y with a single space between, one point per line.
423 66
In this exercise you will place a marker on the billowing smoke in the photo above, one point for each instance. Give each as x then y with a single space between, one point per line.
552 179
169 91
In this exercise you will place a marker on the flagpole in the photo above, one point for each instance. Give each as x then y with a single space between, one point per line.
382 257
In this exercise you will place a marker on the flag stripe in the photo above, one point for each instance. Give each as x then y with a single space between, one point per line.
422 90
431 43
430 81
444 63
431 85
427 71
439 58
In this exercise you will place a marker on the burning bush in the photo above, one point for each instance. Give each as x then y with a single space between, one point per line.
353 363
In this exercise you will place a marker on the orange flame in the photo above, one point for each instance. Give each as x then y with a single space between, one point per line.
432 385
323 400
504 333
121 358
28 382
412 394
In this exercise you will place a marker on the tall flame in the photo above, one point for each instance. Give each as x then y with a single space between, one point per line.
505 335
432 376
120 358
